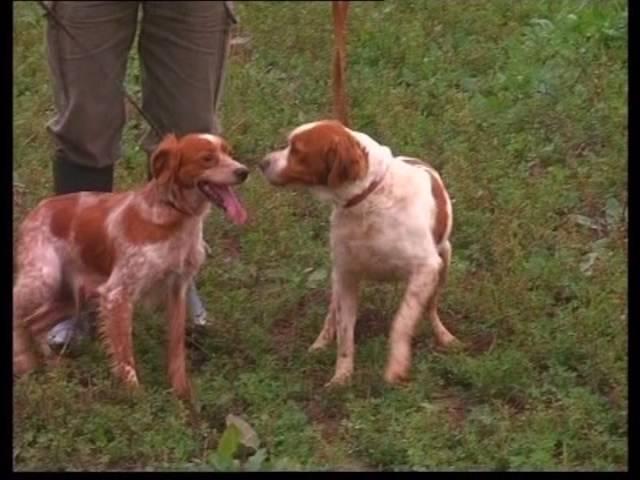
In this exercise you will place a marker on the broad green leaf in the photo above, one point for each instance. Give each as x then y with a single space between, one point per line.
248 435
229 442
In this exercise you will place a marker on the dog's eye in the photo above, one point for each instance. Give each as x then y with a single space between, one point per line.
209 158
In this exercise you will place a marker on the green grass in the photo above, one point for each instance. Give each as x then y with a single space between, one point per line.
523 108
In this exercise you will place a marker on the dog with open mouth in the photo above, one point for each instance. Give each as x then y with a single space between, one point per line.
110 250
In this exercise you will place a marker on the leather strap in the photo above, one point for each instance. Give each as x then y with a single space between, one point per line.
356 199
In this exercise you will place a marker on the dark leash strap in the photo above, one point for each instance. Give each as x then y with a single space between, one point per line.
50 13
340 10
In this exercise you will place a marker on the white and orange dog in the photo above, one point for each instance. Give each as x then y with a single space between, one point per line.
391 221
114 249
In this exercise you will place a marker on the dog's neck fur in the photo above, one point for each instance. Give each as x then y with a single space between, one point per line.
379 158
189 203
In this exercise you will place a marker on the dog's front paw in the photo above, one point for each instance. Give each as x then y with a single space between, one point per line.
339 380
129 376
397 373
320 344
184 391
323 341
446 341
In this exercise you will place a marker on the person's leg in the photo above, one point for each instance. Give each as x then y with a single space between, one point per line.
183 50
87 73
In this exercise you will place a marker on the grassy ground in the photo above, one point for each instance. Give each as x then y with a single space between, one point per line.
523 108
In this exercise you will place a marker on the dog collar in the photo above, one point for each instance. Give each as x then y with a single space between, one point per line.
356 199
173 205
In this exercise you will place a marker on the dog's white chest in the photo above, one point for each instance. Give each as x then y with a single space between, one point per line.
380 247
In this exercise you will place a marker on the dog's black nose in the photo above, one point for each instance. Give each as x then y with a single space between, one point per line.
264 164
242 173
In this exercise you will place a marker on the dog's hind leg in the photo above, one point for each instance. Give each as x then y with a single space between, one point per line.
420 289
443 336
47 316
24 357
34 307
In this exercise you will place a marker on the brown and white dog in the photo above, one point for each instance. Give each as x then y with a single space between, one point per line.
114 248
391 221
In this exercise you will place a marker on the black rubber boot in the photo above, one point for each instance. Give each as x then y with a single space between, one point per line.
70 177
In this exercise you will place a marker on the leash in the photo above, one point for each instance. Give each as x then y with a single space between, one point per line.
49 12
339 10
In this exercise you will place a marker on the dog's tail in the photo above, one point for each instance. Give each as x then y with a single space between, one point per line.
340 108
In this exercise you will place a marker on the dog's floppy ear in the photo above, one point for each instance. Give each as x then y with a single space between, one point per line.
164 159
348 160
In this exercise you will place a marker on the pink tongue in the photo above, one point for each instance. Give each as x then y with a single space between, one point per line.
232 206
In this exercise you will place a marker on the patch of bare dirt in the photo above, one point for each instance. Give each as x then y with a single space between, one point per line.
455 407
371 323
477 343
326 418
482 342
198 357
284 329
517 402
424 337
